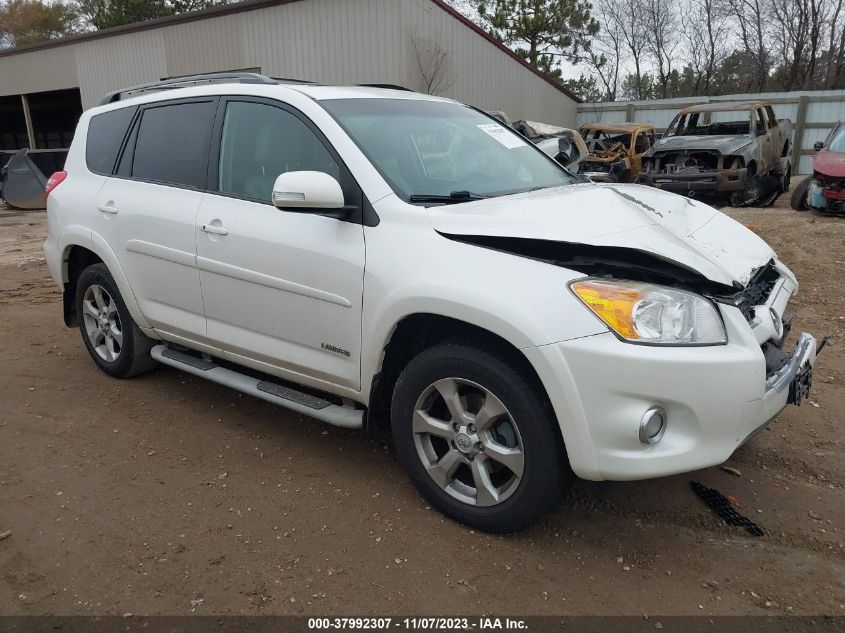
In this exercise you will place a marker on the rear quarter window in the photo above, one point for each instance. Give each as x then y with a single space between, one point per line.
105 136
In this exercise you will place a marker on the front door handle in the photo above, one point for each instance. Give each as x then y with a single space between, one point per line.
109 207
214 229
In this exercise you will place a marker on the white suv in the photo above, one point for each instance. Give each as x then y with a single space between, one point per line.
376 258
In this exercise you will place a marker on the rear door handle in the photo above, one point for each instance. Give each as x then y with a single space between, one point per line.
216 230
109 207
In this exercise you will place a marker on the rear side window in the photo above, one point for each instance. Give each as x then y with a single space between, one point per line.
105 135
172 144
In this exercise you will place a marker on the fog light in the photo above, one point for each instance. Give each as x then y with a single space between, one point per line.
653 425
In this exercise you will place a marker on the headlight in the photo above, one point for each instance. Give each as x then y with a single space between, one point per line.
646 313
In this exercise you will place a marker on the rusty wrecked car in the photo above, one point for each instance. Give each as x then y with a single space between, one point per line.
735 149
825 189
615 150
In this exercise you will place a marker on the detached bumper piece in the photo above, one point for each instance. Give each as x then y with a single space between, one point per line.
797 373
721 505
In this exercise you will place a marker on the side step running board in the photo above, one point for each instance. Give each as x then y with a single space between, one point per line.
306 404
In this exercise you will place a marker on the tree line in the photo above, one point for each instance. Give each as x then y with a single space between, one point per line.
657 49
24 22
624 49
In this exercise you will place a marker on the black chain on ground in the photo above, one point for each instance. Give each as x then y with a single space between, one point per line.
722 506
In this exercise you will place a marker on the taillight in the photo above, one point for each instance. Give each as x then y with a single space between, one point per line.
54 181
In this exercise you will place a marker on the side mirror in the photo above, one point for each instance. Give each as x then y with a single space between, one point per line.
818 146
308 191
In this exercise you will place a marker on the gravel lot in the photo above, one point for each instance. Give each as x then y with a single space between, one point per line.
169 495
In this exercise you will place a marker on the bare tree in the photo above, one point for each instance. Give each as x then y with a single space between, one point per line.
752 28
627 15
604 56
662 26
704 30
433 64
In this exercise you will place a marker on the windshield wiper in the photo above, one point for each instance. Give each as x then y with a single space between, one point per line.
452 198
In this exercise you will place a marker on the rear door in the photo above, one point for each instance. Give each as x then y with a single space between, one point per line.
147 211
279 287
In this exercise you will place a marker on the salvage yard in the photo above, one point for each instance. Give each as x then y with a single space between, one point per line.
168 494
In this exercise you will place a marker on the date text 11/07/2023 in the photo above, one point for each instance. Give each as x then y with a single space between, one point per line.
417 624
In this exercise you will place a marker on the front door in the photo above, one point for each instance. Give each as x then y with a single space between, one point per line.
279 287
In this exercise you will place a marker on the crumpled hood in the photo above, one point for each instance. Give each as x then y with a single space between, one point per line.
725 145
674 228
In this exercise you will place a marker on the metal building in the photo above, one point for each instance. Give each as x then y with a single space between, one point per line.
424 45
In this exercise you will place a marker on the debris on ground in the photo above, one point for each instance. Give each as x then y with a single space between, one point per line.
733 471
6 534
721 505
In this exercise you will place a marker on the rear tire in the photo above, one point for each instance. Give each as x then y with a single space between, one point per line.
490 457
113 339
799 196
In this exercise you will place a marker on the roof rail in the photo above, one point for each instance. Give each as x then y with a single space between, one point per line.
292 80
387 86
189 80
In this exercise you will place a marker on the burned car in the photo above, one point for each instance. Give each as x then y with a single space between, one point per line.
739 149
825 189
615 150
561 143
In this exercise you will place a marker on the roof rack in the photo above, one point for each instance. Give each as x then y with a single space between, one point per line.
192 80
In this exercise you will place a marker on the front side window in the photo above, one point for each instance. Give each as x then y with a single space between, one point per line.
430 149
261 142
172 144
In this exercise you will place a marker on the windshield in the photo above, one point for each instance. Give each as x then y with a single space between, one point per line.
837 143
717 123
431 149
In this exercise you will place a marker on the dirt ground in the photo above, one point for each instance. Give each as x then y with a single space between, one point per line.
169 495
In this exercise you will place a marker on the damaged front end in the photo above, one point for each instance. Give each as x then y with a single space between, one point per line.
709 173
762 301
692 172
826 193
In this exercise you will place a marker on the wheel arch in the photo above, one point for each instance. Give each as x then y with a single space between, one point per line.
417 332
76 258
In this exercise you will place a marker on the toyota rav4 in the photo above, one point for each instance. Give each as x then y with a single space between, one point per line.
384 260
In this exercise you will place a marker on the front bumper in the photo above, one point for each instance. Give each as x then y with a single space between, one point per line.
715 398
715 181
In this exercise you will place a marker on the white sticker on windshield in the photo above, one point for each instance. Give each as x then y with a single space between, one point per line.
504 136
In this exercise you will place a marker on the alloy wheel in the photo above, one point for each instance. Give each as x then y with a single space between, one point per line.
468 442
102 323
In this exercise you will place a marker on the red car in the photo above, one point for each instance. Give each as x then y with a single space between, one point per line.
825 189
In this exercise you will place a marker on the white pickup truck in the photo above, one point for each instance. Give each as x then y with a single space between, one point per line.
379 259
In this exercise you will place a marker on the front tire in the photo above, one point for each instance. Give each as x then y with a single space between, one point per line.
478 437
799 196
113 339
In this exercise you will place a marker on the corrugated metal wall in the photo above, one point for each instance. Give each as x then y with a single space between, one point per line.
329 41
821 110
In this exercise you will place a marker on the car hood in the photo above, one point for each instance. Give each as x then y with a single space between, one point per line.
668 226
725 145
829 163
